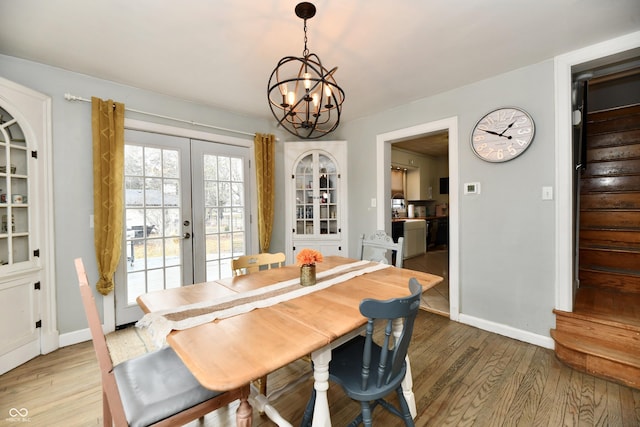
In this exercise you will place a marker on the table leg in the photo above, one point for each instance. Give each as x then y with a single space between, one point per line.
321 359
407 382
261 403
244 414
407 390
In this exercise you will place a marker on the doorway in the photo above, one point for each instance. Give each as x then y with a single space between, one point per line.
424 161
186 215
613 51
384 146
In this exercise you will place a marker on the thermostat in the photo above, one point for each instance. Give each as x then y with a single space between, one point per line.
472 188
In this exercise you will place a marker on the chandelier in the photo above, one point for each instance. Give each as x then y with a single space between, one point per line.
303 95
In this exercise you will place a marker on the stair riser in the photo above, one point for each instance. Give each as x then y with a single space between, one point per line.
617 282
617 183
622 338
611 238
627 375
610 201
614 168
612 139
598 259
610 219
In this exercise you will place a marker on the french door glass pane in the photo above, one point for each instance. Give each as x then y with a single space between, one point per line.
152 215
224 213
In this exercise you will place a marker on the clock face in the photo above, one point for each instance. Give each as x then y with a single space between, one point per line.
502 135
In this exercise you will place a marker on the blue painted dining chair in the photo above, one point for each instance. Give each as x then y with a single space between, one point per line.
367 371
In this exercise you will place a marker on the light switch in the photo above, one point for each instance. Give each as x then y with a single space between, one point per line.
374 202
547 193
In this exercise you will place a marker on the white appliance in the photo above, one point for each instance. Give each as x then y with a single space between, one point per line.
415 237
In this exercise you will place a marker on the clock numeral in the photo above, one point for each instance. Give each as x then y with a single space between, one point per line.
524 131
522 120
511 150
507 115
522 142
478 138
500 155
481 146
483 127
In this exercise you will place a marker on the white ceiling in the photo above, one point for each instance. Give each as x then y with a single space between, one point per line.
221 52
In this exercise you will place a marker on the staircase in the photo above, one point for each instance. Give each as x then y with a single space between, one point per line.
602 335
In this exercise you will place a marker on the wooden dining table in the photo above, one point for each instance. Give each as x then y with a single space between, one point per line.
232 352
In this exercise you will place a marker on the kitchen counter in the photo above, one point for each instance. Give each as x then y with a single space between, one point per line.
437 231
426 218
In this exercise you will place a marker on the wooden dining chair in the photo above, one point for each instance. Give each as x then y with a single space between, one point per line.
155 389
252 263
367 371
377 247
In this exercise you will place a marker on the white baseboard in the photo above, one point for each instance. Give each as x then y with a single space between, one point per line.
508 331
75 337
49 341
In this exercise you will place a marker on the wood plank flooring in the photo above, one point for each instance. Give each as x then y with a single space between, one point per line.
462 376
434 261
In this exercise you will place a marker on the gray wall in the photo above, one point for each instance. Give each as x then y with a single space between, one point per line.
507 256
73 168
506 233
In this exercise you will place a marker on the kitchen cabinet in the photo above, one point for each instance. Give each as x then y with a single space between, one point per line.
316 197
415 237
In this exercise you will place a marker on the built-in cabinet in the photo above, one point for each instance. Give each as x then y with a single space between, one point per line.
14 192
316 197
27 311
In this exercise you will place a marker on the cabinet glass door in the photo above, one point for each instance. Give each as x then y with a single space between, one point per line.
304 195
14 192
316 187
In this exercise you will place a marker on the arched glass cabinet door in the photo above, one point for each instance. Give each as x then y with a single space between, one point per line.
14 192
316 192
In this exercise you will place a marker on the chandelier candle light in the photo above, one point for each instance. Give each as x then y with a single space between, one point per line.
307 259
303 95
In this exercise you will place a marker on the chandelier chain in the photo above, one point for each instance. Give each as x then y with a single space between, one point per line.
305 52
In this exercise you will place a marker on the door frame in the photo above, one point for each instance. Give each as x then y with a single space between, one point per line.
564 65
383 163
108 301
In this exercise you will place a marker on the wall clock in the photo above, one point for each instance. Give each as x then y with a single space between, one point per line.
502 134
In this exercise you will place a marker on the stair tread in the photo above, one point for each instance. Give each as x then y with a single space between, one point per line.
610 307
595 347
605 318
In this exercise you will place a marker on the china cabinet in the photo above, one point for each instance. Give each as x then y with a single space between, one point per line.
14 189
316 197
27 303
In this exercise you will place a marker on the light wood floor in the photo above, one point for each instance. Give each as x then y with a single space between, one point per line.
434 261
462 376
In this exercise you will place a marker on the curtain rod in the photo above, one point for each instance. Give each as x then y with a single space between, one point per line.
70 97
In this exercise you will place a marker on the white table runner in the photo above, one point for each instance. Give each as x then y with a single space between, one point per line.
161 323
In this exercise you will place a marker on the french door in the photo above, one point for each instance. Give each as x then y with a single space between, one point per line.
186 215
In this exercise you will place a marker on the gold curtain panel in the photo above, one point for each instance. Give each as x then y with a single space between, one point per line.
107 122
265 148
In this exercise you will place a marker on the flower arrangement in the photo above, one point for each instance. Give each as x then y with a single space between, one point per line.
308 257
